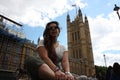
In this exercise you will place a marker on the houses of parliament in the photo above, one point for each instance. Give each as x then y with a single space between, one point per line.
14 47
80 46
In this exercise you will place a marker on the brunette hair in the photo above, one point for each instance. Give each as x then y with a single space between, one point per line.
49 41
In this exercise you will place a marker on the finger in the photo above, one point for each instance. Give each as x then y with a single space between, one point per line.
63 77
57 77
71 77
74 78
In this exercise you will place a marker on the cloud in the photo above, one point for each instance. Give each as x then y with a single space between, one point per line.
105 38
35 12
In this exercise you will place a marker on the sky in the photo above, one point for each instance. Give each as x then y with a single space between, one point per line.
103 22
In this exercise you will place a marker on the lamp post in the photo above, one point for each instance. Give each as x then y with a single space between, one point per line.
105 60
116 8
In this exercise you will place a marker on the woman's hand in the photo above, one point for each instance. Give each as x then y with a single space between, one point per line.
70 76
59 75
63 76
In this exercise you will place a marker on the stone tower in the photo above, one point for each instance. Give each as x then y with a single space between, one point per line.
79 46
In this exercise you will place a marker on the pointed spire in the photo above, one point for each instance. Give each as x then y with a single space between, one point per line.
86 20
38 40
79 12
79 16
68 17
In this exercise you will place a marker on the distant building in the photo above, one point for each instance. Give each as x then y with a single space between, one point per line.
13 48
80 46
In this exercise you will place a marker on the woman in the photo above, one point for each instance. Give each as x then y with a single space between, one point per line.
52 63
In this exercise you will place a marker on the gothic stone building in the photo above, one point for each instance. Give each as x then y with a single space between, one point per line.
13 50
80 46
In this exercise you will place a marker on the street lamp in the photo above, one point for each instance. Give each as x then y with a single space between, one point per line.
116 8
105 60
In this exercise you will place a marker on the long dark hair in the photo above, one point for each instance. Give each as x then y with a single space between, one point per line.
49 41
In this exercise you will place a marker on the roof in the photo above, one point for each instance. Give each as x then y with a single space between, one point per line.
14 37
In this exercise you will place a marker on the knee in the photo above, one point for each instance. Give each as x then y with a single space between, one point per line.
44 66
46 72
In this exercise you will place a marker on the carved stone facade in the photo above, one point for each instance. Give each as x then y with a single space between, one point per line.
80 46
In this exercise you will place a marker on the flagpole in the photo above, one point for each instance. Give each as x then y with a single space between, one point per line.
74 5
76 10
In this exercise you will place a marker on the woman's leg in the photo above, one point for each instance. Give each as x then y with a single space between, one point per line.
45 72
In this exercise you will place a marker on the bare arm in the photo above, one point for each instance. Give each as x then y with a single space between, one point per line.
44 55
65 65
65 62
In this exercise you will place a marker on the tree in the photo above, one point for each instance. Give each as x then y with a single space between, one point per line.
100 72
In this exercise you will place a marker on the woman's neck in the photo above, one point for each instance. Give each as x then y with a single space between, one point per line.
55 44
54 40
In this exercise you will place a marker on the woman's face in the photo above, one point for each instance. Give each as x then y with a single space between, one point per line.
54 31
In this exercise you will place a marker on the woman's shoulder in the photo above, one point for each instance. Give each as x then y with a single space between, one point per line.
62 46
40 43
